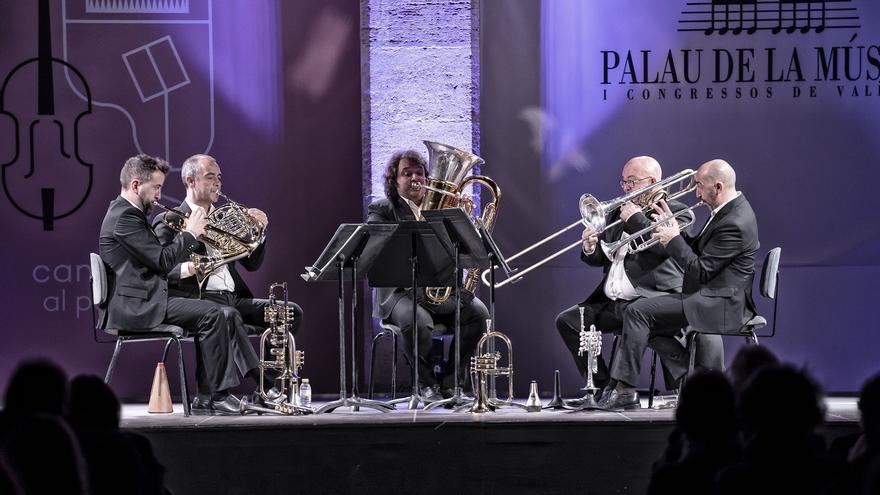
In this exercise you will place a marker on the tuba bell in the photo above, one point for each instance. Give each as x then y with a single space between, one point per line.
230 231
447 171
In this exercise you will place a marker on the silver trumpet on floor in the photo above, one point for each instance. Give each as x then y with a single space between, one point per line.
590 344
283 359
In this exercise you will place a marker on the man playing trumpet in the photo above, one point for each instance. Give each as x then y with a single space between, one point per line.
716 295
627 277
201 176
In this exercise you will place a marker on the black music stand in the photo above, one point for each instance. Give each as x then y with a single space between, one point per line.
468 252
416 255
355 247
496 259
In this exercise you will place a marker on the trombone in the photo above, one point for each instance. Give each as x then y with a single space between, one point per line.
594 214
626 239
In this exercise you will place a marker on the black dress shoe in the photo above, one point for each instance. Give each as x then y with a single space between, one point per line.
201 407
430 394
228 406
617 399
273 398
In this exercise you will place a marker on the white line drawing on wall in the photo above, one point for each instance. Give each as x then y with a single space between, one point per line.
137 6
167 42
148 50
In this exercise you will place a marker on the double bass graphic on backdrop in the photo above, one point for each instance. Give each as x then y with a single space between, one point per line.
46 158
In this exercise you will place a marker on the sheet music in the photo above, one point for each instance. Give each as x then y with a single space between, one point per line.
748 16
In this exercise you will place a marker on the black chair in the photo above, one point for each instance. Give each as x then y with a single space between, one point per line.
169 333
769 289
393 331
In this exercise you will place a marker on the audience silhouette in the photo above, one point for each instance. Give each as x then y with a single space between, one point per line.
706 418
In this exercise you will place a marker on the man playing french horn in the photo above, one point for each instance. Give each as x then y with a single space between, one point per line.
201 176
626 276
404 175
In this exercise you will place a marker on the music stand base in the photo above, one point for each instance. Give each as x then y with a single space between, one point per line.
456 402
354 402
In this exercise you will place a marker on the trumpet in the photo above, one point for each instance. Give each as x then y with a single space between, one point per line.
230 231
627 239
595 213
485 365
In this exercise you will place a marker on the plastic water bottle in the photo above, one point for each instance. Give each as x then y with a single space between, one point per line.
305 393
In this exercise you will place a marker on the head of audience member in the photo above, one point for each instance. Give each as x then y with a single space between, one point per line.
93 405
36 386
716 183
405 169
869 407
46 457
141 179
201 176
747 361
706 411
9 483
640 172
780 405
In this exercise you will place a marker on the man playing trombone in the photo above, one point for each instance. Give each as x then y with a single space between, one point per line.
201 176
719 266
627 276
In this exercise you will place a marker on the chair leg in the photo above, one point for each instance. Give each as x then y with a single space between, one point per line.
393 366
184 393
112 366
653 378
692 351
613 351
165 352
373 363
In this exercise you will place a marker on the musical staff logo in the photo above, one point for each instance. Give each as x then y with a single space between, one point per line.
777 16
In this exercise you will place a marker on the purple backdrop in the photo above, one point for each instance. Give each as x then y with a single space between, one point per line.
271 89
564 119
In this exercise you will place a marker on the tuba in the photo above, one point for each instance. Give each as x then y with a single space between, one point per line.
230 231
484 366
278 353
447 168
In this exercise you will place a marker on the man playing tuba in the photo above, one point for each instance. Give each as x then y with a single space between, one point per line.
404 175
202 178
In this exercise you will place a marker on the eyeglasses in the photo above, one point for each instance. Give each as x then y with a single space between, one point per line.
631 182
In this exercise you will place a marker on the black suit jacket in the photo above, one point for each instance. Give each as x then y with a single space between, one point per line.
188 287
388 210
719 267
137 283
652 272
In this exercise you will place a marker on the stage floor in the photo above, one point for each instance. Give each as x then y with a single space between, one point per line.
403 451
135 416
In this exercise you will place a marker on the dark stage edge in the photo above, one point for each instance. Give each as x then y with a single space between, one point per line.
438 451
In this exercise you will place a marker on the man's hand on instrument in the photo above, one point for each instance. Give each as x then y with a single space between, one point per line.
259 216
589 240
667 229
627 210
196 222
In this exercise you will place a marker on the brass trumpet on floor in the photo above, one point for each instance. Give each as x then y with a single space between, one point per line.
595 213
283 360
230 231
484 366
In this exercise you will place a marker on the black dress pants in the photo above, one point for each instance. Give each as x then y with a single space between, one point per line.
215 371
473 324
